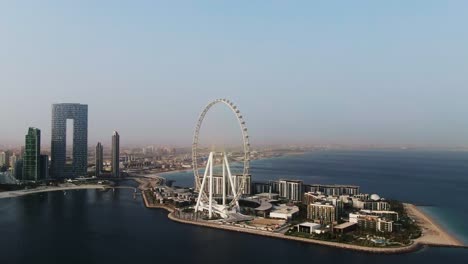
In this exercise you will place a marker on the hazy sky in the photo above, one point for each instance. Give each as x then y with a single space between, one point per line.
390 72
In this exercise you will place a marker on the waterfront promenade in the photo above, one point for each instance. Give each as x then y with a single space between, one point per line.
10 194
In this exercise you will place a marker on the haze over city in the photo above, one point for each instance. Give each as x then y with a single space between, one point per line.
356 72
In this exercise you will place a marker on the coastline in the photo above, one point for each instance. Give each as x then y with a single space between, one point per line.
171 172
12 194
433 233
396 250
161 174
417 244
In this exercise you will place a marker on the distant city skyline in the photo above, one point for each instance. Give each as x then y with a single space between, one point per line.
302 73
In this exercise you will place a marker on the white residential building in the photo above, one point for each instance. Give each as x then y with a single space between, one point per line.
290 189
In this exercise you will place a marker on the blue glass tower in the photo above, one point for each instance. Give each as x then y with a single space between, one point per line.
31 162
60 168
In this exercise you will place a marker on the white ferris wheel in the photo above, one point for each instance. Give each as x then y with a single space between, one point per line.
232 186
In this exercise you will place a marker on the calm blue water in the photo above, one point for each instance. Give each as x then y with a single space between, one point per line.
90 226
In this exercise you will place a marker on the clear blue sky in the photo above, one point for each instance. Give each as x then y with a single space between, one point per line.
389 72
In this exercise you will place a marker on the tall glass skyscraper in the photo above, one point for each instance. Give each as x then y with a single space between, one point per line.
115 161
44 161
19 169
60 168
32 153
99 155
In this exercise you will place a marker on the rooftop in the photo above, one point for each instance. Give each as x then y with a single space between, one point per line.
344 225
334 185
377 212
285 209
295 181
309 224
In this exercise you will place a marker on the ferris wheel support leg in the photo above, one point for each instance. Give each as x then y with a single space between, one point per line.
224 181
210 208
202 187
233 187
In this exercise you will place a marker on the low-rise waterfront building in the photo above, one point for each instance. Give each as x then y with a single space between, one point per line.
377 205
308 227
317 198
371 222
391 215
284 211
384 225
261 187
344 227
310 198
332 190
362 196
323 213
368 222
370 202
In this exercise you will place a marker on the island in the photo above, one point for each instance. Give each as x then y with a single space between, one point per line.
329 215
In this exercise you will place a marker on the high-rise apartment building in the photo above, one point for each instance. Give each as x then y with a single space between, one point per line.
21 154
240 182
290 189
243 182
60 168
260 187
32 153
3 159
334 190
115 161
13 159
323 213
99 159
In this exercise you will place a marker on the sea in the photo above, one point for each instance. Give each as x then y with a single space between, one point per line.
94 226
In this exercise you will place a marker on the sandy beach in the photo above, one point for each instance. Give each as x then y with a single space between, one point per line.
432 233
